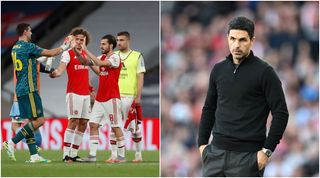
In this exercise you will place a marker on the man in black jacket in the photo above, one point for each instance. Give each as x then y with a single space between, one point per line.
243 89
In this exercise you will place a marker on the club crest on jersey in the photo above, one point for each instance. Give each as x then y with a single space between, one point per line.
76 112
104 73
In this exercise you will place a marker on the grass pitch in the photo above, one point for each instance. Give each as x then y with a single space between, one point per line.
148 168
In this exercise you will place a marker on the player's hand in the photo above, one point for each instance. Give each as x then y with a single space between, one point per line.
53 74
67 42
76 50
262 159
201 148
73 43
92 96
49 63
42 59
83 45
137 100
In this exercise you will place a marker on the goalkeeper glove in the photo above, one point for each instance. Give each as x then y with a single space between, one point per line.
66 43
49 63
42 59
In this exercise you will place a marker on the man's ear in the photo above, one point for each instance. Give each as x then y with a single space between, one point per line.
253 39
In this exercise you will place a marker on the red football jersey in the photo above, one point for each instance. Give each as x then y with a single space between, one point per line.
108 79
78 74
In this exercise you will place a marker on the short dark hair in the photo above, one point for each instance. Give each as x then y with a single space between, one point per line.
81 31
21 27
111 40
124 33
242 23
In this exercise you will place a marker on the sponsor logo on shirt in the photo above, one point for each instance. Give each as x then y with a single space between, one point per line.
80 67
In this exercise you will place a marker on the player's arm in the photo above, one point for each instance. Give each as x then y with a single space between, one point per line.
208 114
97 61
95 69
43 69
56 51
92 94
60 69
93 58
87 62
140 77
84 61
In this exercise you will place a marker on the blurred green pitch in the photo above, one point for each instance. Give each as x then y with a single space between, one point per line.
148 168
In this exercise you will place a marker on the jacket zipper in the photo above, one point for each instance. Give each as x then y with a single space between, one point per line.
235 70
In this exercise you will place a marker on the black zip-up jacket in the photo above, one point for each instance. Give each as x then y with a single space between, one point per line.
238 103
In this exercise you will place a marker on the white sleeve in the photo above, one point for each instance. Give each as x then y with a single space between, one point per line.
114 60
65 57
140 67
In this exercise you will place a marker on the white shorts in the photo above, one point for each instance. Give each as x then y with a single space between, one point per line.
126 104
108 112
78 106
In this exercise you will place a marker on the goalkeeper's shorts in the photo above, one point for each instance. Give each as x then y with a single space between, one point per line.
30 106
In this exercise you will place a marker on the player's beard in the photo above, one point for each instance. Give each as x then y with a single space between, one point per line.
105 51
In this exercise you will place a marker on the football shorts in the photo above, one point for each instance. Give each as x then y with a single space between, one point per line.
78 106
108 112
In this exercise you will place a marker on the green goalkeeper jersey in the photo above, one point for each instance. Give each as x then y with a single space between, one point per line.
24 56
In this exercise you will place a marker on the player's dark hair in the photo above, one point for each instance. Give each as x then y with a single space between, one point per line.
124 33
242 23
21 27
111 40
81 31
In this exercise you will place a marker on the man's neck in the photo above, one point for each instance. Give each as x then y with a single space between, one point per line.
109 53
23 38
125 50
238 61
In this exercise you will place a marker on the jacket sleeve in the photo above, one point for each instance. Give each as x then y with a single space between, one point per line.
208 112
275 98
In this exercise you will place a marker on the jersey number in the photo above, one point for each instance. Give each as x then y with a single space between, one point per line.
16 62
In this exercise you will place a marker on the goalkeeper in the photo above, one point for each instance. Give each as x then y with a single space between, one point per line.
24 54
16 121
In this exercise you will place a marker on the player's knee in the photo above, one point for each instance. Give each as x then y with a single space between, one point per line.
118 131
93 126
136 134
83 122
82 125
38 122
72 123
14 128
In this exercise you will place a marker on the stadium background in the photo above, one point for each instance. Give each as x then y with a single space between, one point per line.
193 37
51 22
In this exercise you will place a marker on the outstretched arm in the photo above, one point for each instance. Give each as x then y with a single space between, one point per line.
86 62
56 51
96 61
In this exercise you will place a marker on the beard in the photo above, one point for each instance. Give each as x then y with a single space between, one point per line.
104 51
239 54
